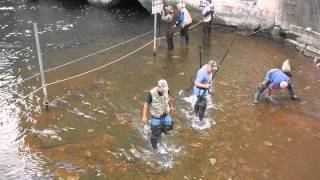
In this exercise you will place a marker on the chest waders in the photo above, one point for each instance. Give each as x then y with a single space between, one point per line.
158 111
201 105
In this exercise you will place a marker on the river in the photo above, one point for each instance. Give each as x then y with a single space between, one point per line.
94 129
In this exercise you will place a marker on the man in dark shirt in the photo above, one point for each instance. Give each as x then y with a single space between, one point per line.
160 104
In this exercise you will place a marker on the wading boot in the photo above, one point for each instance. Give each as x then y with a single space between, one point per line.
202 108
263 86
256 97
291 93
154 143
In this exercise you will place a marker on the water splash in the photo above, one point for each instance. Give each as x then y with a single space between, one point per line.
187 111
162 158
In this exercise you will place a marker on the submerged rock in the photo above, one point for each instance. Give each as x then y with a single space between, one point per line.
58 102
212 161
268 143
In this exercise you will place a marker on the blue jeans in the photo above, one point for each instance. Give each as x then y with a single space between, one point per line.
163 120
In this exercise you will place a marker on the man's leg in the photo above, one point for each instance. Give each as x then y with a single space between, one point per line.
205 28
170 41
262 87
291 92
186 34
182 35
202 107
167 124
210 26
156 130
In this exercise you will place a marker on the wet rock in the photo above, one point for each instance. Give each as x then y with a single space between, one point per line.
196 145
108 139
59 102
133 151
90 130
123 118
88 154
212 161
268 143
47 142
241 161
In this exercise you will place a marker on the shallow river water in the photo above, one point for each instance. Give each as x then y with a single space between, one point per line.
93 129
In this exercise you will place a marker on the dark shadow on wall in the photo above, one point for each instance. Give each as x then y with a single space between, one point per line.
133 5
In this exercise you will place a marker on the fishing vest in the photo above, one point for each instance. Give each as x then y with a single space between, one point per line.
187 18
159 104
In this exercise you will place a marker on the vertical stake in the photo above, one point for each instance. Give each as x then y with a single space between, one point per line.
200 57
44 86
159 29
155 34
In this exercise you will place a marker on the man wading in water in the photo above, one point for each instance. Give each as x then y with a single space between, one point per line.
160 104
208 13
202 87
184 20
167 17
276 79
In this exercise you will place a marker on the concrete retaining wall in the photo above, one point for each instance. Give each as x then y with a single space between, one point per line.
282 18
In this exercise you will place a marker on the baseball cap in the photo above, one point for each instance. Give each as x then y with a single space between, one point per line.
179 5
169 8
163 84
212 63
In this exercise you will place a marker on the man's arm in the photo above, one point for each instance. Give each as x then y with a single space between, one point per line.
171 103
144 112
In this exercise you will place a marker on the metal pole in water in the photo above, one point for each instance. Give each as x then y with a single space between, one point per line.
44 88
200 57
159 28
155 34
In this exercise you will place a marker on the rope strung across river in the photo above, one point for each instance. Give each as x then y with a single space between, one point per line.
79 59
95 69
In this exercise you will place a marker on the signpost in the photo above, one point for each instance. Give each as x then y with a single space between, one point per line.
157 7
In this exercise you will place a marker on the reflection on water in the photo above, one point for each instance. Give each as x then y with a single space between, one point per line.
93 129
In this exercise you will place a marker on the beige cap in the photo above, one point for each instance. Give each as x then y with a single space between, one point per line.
180 5
163 84
286 66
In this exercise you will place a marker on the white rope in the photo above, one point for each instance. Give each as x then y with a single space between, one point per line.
84 57
95 69
100 67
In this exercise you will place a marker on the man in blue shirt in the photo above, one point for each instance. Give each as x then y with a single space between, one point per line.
202 86
275 79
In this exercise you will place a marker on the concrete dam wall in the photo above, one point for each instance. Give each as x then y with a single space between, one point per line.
296 20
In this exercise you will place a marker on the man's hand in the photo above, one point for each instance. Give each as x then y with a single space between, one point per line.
206 86
144 119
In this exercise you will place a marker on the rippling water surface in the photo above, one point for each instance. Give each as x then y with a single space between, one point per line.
93 129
